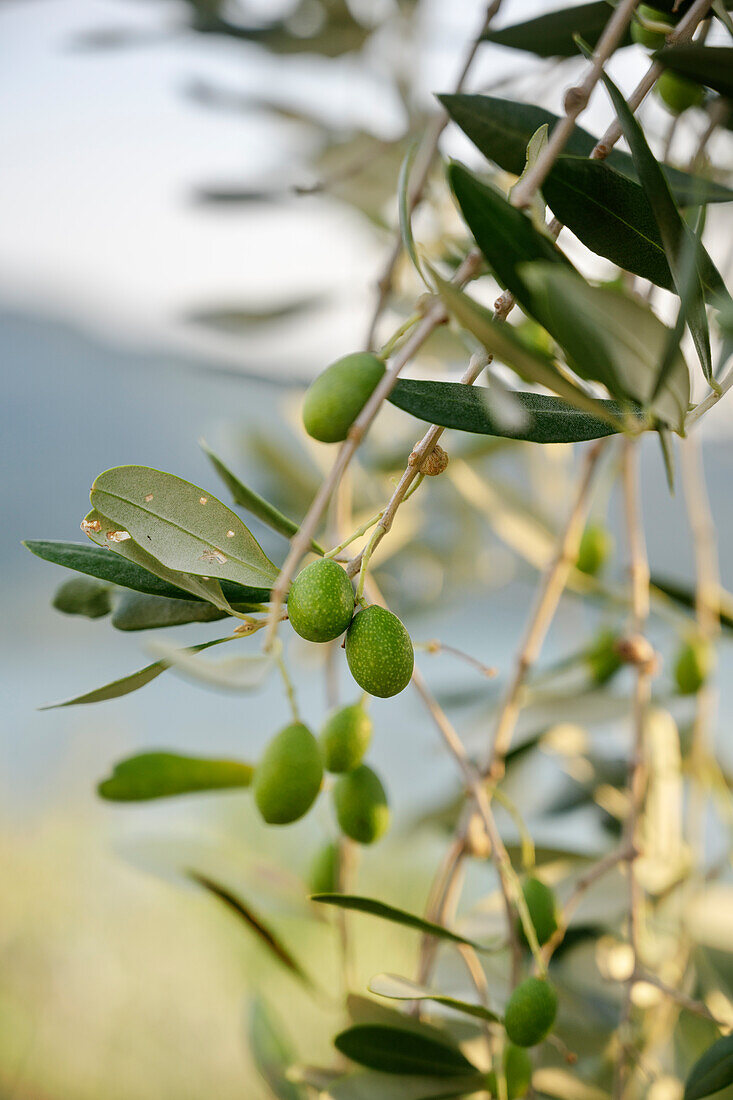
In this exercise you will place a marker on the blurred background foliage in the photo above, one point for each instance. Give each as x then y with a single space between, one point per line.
120 977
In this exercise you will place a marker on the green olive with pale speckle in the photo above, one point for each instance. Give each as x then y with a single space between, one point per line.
345 738
379 652
289 775
337 396
321 601
361 805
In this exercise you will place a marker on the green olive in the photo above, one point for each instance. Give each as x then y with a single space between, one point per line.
323 874
379 652
321 601
531 1012
361 805
289 775
542 907
693 665
337 396
645 36
517 1071
678 93
596 545
345 738
603 658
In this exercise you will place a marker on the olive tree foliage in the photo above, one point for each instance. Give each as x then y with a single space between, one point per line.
589 976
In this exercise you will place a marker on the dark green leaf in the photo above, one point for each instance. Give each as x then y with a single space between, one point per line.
712 1072
397 916
127 684
684 594
546 419
399 1050
79 596
272 1053
164 774
708 65
499 340
402 989
505 235
135 611
501 128
253 921
672 229
247 498
95 561
612 338
182 526
551 35
371 1085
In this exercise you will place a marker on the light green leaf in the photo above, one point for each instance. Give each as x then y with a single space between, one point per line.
241 319
403 193
127 684
253 502
712 1072
402 989
181 525
535 146
272 1052
232 674
499 340
466 408
396 916
164 774
620 336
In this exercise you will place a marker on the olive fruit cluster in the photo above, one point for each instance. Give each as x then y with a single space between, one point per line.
378 648
289 777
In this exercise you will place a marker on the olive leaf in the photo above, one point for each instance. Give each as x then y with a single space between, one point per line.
231 674
164 774
712 1072
272 1052
551 34
402 989
401 1050
708 65
372 1085
246 497
82 596
397 916
545 419
136 611
181 525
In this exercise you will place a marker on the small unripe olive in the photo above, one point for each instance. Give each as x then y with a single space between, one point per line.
678 93
361 805
595 546
693 665
653 40
604 660
337 396
530 1012
379 652
517 1071
321 601
289 775
542 907
345 738
323 874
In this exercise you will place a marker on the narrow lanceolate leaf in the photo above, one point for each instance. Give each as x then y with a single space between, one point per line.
135 611
396 916
231 674
127 684
712 1072
399 1050
272 1053
551 34
97 561
403 193
371 1085
546 419
181 525
619 336
505 235
247 498
498 339
501 128
708 65
273 942
402 989
109 534
164 774
685 595
672 229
